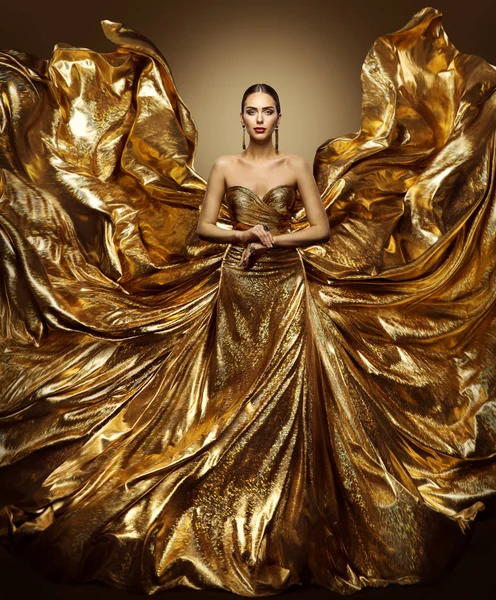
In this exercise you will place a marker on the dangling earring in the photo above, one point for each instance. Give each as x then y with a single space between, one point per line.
243 138
277 138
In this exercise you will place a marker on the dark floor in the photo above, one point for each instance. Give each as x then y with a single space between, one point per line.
474 578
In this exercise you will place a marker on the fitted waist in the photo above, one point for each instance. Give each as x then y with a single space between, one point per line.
273 258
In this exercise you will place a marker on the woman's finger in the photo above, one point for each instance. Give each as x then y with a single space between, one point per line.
263 237
245 257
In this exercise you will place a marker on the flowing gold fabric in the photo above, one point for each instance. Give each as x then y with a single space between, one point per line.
168 418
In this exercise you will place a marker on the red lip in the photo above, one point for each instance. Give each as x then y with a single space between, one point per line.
260 128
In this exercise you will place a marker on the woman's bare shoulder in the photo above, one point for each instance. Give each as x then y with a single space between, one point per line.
297 164
224 164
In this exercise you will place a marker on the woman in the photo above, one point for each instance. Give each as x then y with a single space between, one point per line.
261 167
269 405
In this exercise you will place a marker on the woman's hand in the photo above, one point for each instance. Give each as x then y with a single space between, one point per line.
250 254
259 233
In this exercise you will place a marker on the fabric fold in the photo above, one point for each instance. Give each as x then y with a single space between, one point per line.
168 417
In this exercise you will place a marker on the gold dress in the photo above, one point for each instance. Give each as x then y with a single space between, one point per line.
170 418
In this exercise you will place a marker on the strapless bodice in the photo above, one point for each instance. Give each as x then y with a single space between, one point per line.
246 209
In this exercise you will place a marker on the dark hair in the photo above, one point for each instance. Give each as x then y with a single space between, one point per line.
266 89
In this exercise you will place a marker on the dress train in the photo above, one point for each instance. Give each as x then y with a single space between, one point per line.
168 418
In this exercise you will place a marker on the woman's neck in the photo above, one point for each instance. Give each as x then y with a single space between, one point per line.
257 153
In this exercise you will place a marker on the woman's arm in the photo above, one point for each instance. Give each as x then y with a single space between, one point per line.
319 231
209 214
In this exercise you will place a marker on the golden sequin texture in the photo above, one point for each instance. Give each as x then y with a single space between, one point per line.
170 418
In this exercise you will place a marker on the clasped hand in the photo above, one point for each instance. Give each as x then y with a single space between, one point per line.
259 241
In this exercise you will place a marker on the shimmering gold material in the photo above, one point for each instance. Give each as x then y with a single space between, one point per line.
168 417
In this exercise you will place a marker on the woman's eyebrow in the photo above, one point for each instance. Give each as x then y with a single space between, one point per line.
262 108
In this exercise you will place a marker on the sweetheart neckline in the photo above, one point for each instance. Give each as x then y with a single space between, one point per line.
266 193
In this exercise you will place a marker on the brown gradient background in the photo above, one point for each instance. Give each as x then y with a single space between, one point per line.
310 51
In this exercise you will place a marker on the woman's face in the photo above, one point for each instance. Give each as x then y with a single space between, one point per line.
259 112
